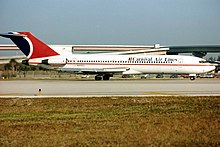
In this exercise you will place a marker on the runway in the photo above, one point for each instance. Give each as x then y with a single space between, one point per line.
64 88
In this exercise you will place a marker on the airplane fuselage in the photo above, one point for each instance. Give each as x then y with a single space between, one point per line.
127 64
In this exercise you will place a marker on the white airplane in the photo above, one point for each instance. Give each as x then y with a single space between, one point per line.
105 65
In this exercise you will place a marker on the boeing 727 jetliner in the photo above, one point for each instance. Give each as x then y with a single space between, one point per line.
105 65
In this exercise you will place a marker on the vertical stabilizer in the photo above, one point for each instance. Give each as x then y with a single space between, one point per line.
30 45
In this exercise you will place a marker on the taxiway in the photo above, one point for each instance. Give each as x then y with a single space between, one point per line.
64 88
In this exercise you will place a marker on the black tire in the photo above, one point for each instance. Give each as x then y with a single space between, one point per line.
192 78
98 78
106 77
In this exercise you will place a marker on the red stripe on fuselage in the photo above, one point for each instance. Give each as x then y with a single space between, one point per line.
155 64
138 64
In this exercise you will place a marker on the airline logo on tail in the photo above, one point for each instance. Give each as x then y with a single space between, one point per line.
30 45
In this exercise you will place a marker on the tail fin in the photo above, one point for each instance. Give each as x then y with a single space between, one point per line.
30 45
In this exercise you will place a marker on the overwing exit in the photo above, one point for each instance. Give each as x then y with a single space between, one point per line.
106 65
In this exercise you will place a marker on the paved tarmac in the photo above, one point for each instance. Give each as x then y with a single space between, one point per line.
65 88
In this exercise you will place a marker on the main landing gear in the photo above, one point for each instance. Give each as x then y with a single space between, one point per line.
192 76
103 77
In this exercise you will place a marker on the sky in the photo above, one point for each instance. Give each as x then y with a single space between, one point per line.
128 22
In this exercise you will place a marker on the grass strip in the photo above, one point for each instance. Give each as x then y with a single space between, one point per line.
110 121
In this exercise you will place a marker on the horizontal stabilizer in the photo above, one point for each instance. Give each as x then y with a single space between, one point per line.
10 34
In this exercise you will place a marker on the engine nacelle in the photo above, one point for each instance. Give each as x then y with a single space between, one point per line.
54 62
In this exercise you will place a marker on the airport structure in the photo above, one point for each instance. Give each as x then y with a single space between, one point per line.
88 48
196 50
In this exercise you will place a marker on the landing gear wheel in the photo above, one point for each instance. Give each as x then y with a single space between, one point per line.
192 78
98 78
106 77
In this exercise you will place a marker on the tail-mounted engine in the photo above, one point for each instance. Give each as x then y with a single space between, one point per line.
54 62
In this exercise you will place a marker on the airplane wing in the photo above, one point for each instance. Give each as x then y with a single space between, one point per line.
102 70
